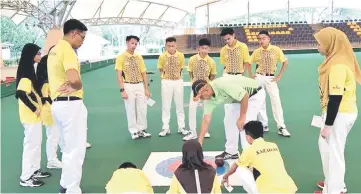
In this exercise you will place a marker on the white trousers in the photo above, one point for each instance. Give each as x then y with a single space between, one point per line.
247 179
172 89
192 114
52 142
274 94
31 150
232 112
332 152
70 118
136 107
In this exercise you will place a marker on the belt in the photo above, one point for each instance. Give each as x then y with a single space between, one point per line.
266 74
255 92
67 98
133 82
234 73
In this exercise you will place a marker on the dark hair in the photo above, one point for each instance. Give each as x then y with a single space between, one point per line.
170 39
74 24
197 85
254 129
127 165
226 31
128 38
265 32
42 70
26 66
204 41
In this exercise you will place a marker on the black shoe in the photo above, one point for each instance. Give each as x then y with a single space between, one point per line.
41 174
62 189
31 182
227 156
144 133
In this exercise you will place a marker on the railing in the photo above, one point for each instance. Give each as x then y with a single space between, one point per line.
8 88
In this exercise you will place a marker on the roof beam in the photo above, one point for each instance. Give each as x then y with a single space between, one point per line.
122 11
141 15
128 20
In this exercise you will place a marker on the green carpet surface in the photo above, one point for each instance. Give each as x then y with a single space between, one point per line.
112 144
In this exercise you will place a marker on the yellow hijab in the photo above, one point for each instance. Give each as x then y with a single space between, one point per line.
338 51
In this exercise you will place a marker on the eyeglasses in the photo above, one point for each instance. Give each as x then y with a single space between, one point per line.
82 37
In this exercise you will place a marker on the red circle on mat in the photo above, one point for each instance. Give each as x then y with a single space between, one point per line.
173 166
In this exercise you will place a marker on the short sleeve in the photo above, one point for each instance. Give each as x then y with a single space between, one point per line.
216 185
209 106
281 56
235 91
174 186
119 62
160 64
245 54
190 64
254 57
213 67
70 59
222 56
25 85
181 60
142 65
337 79
246 157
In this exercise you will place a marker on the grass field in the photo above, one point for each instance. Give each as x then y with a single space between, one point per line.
112 144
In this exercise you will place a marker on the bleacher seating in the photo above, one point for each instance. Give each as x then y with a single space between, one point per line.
283 34
351 28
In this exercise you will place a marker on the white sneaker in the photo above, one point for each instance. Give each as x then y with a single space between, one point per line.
284 132
135 135
55 164
207 135
144 134
265 129
183 131
88 145
164 133
190 136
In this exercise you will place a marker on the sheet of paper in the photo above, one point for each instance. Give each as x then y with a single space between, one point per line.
229 188
150 102
187 84
317 121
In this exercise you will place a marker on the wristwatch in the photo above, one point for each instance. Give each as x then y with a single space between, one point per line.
121 89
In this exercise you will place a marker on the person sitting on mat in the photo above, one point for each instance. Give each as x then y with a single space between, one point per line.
194 175
128 178
264 157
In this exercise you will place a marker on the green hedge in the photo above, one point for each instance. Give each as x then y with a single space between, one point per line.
8 89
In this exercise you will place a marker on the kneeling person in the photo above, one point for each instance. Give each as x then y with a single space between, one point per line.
227 90
128 179
264 157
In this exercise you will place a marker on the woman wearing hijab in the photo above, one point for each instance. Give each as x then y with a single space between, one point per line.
28 94
194 175
52 133
338 75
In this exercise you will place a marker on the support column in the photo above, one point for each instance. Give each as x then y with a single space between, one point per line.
53 36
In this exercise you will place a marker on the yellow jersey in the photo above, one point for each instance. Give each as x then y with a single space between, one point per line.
132 67
267 59
60 59
26 115
46 116
266 158
171 65
201 68
128 180
234 58
342 82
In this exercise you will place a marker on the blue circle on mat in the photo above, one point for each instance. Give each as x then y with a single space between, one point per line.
167 167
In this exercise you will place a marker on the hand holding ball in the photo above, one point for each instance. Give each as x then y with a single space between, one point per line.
219 162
